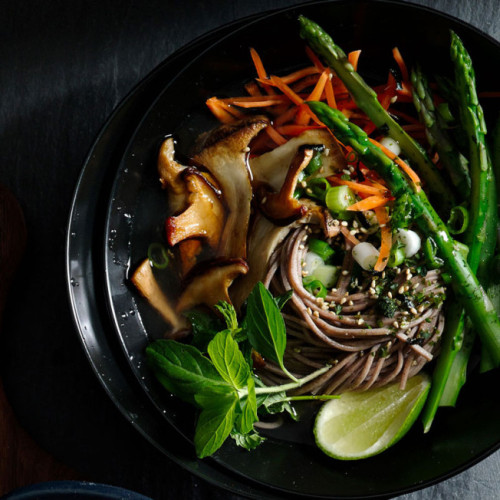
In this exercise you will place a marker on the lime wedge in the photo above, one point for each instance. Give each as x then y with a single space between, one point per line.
362 424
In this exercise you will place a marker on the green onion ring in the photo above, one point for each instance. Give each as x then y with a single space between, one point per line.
158 256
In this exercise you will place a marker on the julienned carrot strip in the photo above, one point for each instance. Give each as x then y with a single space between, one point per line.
401 63
369 203
232 111
221 114
287 116
353 58
315 95
297 75
308 81
359 188
302 118
314 59
278 82
403 165
350 237
276 99
275 135
253 89
257 62
386 238
330 94
293 130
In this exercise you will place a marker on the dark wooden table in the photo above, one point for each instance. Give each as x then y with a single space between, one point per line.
65 66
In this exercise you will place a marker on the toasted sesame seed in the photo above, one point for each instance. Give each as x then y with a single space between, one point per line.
316 314
344 223
383 274
413 311
345 272
395 324
325 306
361 321
246 150
401 289
303 184
304 273
407 288
389 294
303 264
309 191
355 223
353 232
346 172
421 308
321 170
373 284
363 230
350 303
334 289
405 313
336 222
309 310
301 247
398 270
297 349
304 238
375 296
264 200
409 276
343 300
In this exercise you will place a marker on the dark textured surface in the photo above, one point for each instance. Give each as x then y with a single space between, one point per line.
65 66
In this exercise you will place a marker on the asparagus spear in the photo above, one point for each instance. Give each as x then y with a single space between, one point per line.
465 284
454 162
366 99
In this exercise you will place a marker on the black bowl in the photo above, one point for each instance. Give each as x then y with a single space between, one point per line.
288 462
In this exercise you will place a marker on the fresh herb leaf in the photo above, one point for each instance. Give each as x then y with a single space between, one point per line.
248 441
276 403
228 359
182 368
215 424
248 415
228 313
281 300
265 326
204 327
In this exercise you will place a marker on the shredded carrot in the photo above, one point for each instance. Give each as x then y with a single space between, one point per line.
358 187
353 58
297 75
403 165
303 115
369 203
349 237
226 107
253 89
278 82
275 135
256 101
221 114
330 94
259 67
314 59
315 95
293 130
287 116
386 238
401 63
308 81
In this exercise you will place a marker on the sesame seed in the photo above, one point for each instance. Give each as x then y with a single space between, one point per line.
320 300
371 291
382 225
336 222
264 200
325 306
398 270
301 247
407 288
344 223
363 230
346 294
303 263
309 310
401 289
373 284
375 296
296 349
316 314
409 276
353 232
389 294
304 238
421 308
383 274
343 300
303 184
395 324
413 311
346 172
405 313
304 273
361 321
355 224
350 303
246 150
345 272
309 191
334 289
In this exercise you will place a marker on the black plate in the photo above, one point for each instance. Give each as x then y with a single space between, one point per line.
289 463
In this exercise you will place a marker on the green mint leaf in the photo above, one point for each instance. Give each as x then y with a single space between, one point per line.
276 403
248 441
228 313
215 423
265 326
204 327
182 369
213 396
248 416
228 359
281 300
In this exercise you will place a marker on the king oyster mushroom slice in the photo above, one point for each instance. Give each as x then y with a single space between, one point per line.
271 168
170 175
204 216
211 283
225 157
145 281
263 239
282 207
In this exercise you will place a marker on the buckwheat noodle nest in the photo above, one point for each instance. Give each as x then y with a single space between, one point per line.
344 330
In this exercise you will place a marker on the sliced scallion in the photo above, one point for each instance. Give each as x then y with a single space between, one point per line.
321 248
158 256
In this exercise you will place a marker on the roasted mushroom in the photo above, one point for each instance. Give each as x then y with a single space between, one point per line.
210 285
203 218
225 157
271 168
144 280
282 207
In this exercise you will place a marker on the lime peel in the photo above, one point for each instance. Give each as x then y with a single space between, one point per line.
363 424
